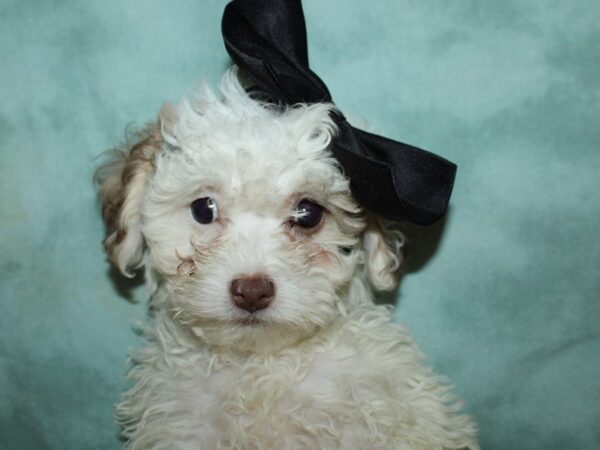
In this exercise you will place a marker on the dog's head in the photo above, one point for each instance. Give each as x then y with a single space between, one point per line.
240 208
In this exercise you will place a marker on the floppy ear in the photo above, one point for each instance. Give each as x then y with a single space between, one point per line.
122 181
382 245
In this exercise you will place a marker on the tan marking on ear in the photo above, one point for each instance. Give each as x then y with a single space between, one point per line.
122 181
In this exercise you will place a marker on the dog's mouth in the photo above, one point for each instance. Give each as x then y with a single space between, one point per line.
250 321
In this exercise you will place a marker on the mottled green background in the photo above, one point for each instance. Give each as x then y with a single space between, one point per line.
507 307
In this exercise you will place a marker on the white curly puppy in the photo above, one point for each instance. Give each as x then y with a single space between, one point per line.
264 332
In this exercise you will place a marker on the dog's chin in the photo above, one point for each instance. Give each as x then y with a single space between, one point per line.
250 334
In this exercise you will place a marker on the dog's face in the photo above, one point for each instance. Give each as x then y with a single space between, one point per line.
246 217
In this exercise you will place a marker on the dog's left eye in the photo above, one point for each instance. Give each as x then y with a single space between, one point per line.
307 214
204 210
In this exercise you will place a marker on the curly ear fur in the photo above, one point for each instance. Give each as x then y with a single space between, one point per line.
382 244
122 182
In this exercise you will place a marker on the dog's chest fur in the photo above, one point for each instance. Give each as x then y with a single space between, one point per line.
359 385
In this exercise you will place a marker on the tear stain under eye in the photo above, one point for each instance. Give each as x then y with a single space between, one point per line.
314 253
319 256
189 264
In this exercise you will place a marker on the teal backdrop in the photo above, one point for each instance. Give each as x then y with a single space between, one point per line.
505 302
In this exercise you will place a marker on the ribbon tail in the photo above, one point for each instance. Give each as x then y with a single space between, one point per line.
392 179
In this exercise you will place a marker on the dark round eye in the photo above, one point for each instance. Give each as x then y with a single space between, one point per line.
308 214
204 210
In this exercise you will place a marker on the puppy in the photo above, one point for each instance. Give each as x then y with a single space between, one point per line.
262 266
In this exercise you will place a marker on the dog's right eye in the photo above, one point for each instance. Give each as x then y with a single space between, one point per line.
204 210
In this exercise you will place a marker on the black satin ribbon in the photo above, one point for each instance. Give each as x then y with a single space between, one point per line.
267 39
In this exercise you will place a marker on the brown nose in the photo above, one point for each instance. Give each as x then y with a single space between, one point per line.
252 293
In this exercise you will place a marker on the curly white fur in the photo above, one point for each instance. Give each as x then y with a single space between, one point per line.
322 366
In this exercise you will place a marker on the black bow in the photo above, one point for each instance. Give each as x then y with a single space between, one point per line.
267 39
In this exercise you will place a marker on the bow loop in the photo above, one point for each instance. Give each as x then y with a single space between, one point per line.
267 39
